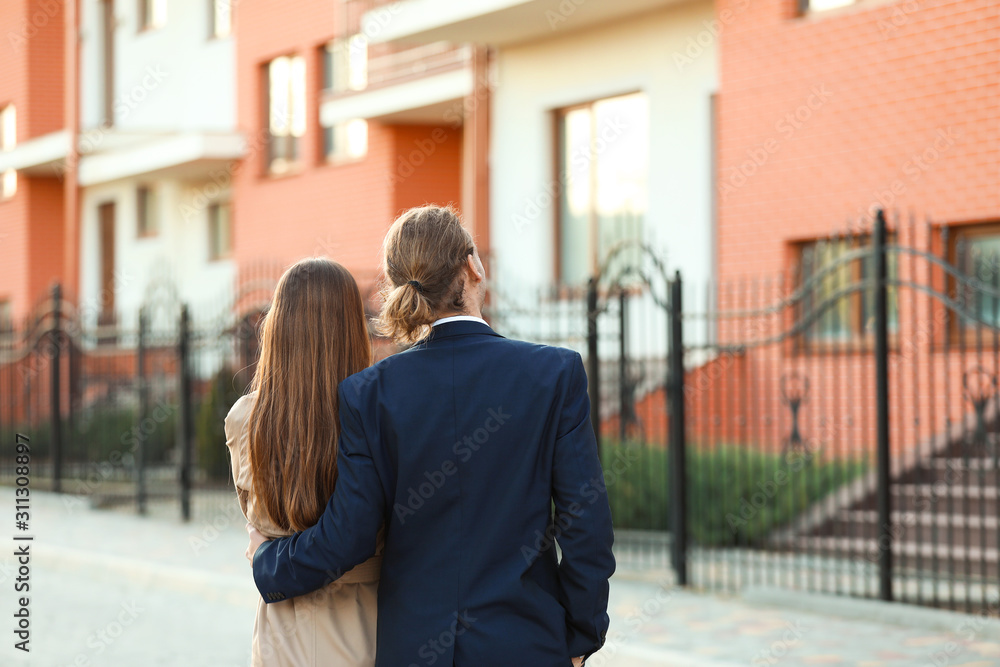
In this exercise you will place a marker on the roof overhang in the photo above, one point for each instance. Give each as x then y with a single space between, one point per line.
434 99
495 22
190 156
41 156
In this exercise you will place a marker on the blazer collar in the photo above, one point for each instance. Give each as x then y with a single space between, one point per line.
460 328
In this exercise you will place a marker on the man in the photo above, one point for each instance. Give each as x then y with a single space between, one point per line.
477 454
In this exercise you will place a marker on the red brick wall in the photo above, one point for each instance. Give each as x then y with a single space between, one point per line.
884 81
338 210
821 119
32 79
46 62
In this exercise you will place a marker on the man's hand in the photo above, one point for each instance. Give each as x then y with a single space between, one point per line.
256 539
578 661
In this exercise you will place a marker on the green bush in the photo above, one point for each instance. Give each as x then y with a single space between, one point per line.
107 434
735 495
210 427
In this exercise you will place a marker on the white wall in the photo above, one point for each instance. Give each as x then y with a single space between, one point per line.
638 54
173 78
178 255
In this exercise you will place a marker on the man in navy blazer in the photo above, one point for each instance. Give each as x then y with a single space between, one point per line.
477 455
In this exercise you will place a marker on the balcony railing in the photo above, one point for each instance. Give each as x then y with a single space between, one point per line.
392 64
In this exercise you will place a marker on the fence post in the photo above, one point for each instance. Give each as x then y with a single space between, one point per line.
593 363
882 407
140 452
55 398
184 433
623 392
678 446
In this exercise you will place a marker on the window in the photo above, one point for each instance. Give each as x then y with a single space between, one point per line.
219 231
152 14
221 18
976 254
346 141
8 139
837 266
603 173
6 316
147 218
345 64
286 104
822 5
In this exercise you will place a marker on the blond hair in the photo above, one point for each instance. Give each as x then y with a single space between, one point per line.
423 255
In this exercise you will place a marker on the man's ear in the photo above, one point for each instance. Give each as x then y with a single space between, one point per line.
470 262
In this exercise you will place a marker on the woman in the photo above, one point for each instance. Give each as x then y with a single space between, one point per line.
282 437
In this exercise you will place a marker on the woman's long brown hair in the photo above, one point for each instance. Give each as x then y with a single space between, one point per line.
313 336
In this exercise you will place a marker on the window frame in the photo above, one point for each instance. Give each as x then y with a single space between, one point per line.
856 337
958 334
805 9
557 117
337 54
147 219
147 15
213 19
290 161
216 252
8 122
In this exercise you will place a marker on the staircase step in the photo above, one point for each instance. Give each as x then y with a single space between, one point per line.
957 469
941 519
917 526
954 558
971 499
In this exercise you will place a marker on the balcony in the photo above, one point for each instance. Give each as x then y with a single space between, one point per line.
41 156
495 22
115 155
403 83
421 85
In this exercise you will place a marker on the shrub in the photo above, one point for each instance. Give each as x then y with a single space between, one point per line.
735 495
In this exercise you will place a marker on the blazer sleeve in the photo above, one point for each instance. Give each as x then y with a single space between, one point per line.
584 516
347 532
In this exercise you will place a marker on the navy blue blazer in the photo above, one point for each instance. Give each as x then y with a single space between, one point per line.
477 454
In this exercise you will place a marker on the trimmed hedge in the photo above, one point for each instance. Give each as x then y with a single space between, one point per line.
736 495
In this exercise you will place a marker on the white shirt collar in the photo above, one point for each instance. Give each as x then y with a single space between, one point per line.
459 318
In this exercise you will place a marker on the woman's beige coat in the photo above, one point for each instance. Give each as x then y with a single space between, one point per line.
332 626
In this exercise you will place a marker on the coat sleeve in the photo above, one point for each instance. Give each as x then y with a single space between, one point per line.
584 518
347 532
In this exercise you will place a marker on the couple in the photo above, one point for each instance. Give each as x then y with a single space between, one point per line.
428 490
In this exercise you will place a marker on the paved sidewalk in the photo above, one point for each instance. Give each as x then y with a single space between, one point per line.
114 589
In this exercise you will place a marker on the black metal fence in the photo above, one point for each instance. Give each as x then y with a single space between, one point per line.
833 427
